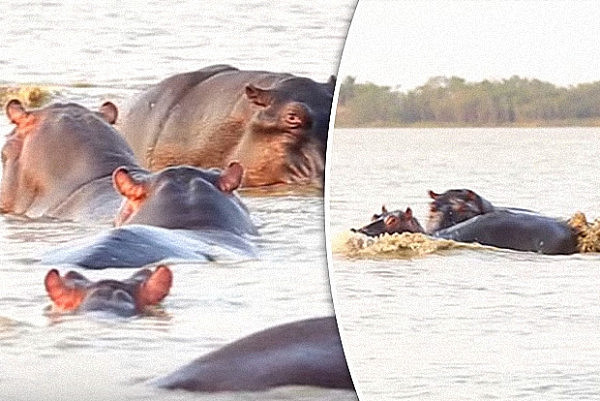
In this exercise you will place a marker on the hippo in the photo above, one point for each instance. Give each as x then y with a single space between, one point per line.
274 124
457 205
306 352
392 222
503 228
180 212
58 161
74 292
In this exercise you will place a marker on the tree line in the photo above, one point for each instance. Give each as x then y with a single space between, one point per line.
444 101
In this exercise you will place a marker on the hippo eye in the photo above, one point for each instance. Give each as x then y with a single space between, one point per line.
391 220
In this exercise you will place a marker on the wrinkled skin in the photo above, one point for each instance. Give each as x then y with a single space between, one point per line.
74 292
306 352
392 222
502 228
58 160
274 124
177 213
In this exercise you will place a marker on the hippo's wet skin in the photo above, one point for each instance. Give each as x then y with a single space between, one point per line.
507 229
74 292
274 124
306 352
457 205
58 160
181 213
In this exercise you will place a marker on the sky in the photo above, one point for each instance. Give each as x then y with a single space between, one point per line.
396 42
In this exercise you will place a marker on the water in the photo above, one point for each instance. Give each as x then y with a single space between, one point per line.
467 324
89 52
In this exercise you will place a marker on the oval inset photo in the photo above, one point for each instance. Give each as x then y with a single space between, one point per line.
462 190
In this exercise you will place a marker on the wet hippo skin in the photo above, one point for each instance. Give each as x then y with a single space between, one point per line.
74 292
505 228
306 352
183 213
274 124
58 160
457 205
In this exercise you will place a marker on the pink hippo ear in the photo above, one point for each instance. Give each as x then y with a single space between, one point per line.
433 195
109 112
258 96
128 186
408 213
16 113
155 288
65 294
231 178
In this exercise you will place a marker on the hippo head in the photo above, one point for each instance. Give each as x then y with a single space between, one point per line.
453 207
392 222
53 151
183 197
74 292
288 132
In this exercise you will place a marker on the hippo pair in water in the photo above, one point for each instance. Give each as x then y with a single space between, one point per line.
464 216
179 212
305 352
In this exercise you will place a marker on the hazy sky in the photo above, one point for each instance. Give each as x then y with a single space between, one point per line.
407 42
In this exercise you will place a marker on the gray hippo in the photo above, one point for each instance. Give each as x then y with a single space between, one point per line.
306 352
74 292
181 212
457 205
58 161
274 124
504 228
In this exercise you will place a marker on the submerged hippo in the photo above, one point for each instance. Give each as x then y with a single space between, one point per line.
74 292
178 213
505 228
306 352
58 161
275 124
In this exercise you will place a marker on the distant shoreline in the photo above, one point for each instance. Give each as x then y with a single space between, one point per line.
588 123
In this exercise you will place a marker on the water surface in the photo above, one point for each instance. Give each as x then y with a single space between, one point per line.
467 324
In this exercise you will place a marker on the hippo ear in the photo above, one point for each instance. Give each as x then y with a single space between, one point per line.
109 112
331 83
408 213
155 287
15 112
258 96
383 209
433 195
64 294
126 185
231 178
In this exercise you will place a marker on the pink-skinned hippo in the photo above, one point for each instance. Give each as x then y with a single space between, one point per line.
274 124
305 352
75 293
58 162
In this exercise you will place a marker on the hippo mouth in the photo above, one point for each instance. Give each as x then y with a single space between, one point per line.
306 165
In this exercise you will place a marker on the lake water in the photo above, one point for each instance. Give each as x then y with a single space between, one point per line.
89 52
467 324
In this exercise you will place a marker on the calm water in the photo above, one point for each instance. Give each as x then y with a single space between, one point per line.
468 323
94 51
